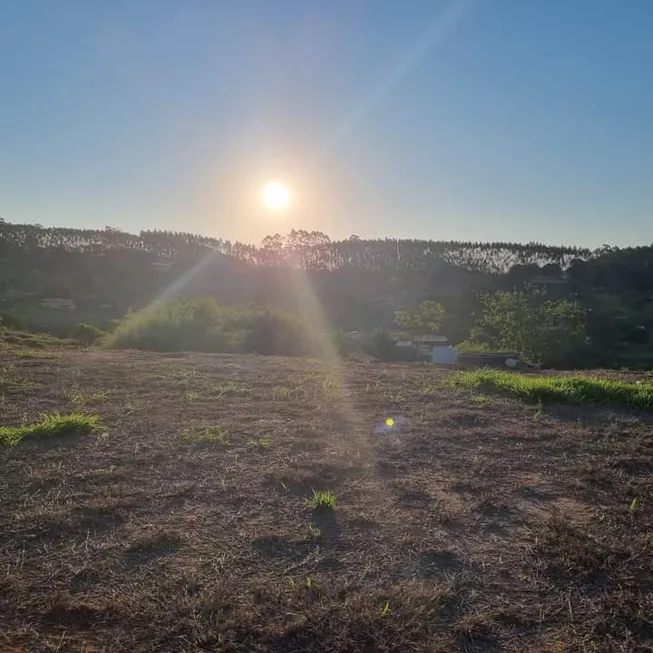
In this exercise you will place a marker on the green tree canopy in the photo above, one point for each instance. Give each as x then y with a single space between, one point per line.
542 330
428 317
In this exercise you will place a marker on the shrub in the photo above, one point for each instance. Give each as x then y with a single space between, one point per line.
87 334
383 346
12 322
277 332
203 325
428 317
473 347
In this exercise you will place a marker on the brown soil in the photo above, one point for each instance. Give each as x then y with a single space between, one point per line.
484 524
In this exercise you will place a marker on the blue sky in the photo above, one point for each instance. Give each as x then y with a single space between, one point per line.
511 120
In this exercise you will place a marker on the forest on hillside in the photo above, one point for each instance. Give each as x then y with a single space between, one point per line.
359 283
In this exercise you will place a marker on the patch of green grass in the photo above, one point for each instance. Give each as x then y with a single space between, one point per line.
212 434
36 353
571 389
50 426
322 500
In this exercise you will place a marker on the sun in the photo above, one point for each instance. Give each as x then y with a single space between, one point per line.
276 196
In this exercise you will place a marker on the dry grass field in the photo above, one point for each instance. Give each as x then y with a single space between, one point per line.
185 519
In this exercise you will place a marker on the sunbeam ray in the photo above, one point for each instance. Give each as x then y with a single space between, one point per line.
433 36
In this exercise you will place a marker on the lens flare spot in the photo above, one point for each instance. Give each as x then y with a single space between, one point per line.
389 422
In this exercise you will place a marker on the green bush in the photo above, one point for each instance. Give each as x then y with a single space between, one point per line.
87 334
473 347
277 332
427 318
203 325
12 322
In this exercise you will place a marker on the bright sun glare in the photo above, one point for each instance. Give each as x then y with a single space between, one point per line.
276 196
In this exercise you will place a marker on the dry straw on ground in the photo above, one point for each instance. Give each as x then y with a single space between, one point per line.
488 525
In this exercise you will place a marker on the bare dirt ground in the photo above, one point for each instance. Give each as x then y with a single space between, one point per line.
183 525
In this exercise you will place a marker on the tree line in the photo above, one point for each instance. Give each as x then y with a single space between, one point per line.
300 248
607 293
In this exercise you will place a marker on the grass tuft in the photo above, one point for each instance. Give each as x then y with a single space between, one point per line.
50 426
212 434
35 353
322 500
571 389
262 443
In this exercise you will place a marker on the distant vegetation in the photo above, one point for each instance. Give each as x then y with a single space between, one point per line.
572 389
561 306
548 331
17 338
202 325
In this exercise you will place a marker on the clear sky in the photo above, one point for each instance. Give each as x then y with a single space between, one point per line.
511 120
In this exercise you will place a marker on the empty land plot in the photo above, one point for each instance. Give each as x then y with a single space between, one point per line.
241 503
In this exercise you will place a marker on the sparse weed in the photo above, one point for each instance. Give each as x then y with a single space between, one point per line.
314 532
209 434
79 398
429 388
263 443
283 393
480 399
539 413
227 389
131 407
394 397
322 500
330 387
10 381
50 426
36 353
385 610
75 396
